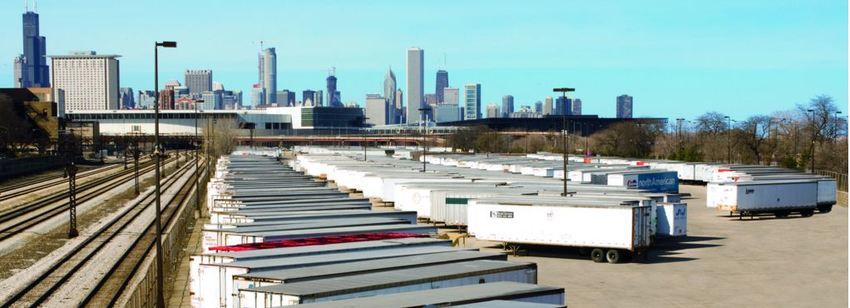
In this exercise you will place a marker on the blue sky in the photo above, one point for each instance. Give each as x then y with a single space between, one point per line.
677 58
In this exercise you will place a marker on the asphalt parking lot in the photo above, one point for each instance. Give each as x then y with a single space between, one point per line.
764 262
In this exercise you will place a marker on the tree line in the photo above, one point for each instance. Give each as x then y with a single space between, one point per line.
812 135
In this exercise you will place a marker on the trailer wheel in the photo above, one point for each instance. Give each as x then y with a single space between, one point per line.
807 212
597 255
613 256
826 208
781 214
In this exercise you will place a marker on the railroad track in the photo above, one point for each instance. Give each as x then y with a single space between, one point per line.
21 218
110 289
37 183
61 273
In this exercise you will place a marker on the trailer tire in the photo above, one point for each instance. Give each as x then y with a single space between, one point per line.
781 214
826 208
807 212
613 256
597 255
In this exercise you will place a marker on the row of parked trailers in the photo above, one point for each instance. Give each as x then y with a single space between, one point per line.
612 222
734 188
277 237
743 189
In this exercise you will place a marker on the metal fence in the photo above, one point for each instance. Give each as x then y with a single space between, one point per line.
840 178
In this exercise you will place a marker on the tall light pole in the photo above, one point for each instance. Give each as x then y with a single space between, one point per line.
679 133
160 298
197 158
728 139
564 131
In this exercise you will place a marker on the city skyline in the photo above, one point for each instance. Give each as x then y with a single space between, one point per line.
673 53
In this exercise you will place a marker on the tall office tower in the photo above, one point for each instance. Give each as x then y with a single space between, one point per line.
18 71
198 81
576 106
125 96
333 99
493 111
389 88
290 97
415 83
624 107
451 96
507 106
401 117
472 101
34 70
442 83
318 97
89 81
563 106
538 107
269 74
547 105
376 109
307 98
258 96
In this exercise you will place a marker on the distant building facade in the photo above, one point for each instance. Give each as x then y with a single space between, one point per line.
472 101
125 95
547 105
333 95
18 71
442 82
507 105
451 96
624 107
268 75
493 111
376 109
198 81
577 106
89 81
538 107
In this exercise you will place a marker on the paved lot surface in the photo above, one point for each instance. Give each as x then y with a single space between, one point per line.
765 262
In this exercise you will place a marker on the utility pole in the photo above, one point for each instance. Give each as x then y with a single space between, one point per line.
71 173
564 132
814 137
728 139
424 134
197 158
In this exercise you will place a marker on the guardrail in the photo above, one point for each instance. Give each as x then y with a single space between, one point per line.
840 178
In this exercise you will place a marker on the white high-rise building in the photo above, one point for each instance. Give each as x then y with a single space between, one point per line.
547 105
493 111
415 83
18 72
269 75
376 109
472 100
89 81
451 96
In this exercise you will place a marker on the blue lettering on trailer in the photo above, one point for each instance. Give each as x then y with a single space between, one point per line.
658 182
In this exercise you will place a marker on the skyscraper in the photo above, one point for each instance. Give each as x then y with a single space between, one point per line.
415 83
34 70
563 106
333 99
493 111
577 106
268 82
451 96
538 107
442 83
308 98
624 107
198 81
376 109
389 88
472 101
547 105
258 96
125 95
18 71
89 81
507 106
399 106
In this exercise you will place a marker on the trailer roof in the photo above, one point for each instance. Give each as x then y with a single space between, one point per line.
336 257
380 280
445 296
331 248
349 268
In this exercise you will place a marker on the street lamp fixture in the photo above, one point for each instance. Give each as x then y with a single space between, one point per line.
160 299
564 132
